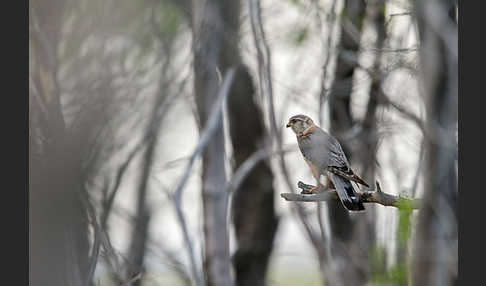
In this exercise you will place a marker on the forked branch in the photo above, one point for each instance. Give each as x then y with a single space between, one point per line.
377 196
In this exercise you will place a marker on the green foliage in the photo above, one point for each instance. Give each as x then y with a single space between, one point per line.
170 19
299 36
378 262
146 23
162 26
398 273
302 35
404 216
357 20
297 3
383 9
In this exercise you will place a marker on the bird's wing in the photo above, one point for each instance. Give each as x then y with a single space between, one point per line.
338 158
346 193
325 152
322 149
348 174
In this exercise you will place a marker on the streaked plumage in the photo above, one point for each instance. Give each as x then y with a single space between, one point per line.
325 156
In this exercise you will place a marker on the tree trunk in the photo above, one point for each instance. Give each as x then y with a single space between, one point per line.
364 238
253 210
253 203
140 234
342 121
58 242
208 30
340 109
435 251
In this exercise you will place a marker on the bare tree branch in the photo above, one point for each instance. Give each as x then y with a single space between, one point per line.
377 197
248 165
212 125
93 259
331 18
265 80
385 100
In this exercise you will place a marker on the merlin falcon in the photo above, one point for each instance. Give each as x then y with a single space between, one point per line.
324 155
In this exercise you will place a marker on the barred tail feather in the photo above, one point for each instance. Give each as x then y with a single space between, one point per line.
346 193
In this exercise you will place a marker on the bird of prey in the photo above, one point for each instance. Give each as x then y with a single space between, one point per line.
324 155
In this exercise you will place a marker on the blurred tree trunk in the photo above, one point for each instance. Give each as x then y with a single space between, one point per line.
58 243
340 110
141 221
254 215
435 251
253 210
341 121
208 32
369 133
364 238
140 233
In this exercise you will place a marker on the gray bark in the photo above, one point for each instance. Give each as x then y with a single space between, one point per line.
340 110
364 237
208 30
139 236
376 196
253 210
341 118
435 249
58 240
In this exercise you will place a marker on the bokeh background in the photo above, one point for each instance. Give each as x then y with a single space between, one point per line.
141 114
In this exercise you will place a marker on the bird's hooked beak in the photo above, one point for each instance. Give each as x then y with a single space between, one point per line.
289 124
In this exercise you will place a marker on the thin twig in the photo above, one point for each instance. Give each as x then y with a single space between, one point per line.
211 127
133 279
244 170
386 101
328 44
265 80
249 164
93 259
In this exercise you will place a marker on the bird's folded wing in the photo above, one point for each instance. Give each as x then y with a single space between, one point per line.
346 193
322 149
347 174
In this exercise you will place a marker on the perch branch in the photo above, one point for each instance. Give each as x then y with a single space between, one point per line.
377 197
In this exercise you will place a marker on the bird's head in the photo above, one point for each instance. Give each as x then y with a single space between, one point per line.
299 123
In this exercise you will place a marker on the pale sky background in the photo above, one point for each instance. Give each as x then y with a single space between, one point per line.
296 85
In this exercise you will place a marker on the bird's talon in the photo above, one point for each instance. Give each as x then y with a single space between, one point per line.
311 191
